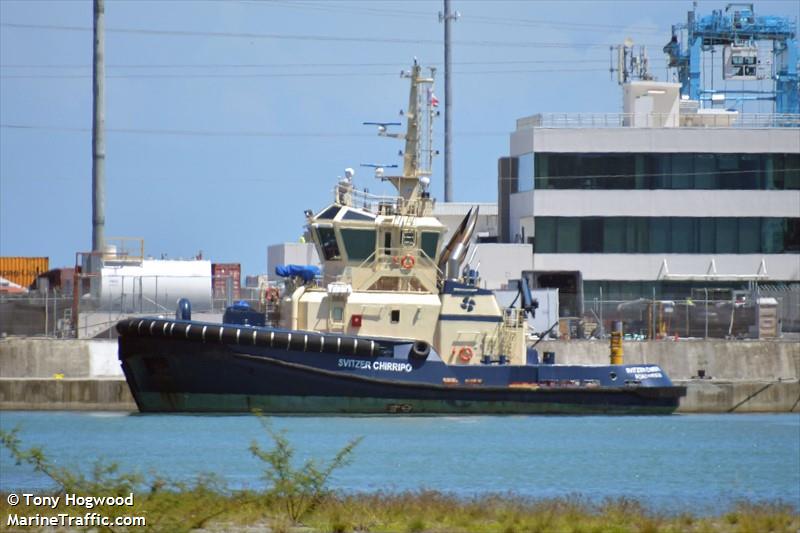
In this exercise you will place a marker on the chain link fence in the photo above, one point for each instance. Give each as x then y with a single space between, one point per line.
94 308
768 312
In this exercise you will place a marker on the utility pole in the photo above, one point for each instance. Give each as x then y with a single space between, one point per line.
98 134
448 17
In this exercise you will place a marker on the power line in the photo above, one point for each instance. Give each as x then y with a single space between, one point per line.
218 133
466 17
180 75
301 37
301 65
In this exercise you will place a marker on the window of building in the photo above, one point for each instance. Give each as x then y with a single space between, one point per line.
705 168
545 229
683 235
359 243
591 235
791 235
791 172
327 241
614 235
664 171
749 237
667 235
659 235
683 171
569 236
636 234
772 235
525 180
727 235
593 290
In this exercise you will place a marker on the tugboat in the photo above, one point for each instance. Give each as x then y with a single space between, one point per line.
393 324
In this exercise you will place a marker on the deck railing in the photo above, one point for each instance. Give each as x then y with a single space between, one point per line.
660 120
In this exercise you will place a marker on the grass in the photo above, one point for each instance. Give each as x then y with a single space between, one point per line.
199 508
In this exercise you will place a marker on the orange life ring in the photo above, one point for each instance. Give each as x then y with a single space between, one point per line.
407 262
465 354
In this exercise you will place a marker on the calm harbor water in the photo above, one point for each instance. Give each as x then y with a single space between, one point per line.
697 463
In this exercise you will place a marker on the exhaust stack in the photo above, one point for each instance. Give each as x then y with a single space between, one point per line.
456 250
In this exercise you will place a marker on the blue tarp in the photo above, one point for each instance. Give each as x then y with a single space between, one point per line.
307 272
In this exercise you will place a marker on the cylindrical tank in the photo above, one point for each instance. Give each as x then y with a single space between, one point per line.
155 285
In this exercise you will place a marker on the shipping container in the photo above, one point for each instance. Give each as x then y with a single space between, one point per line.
23 270
220 273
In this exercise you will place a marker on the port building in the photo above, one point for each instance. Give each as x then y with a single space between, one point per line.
660 199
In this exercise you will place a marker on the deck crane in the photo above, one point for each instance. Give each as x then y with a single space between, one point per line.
738 30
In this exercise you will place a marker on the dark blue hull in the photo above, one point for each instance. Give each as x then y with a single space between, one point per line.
238 369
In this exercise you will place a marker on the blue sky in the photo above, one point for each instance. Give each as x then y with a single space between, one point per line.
226 119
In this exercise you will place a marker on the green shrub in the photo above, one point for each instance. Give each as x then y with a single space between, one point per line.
301 489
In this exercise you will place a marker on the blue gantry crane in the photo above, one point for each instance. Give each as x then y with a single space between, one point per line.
738 30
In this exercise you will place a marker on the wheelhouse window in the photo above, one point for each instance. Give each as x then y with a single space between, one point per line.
328 243
428 242
358 243
329 213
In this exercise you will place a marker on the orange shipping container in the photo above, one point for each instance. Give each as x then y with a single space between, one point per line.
23 270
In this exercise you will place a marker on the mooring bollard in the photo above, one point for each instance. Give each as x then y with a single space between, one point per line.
616 342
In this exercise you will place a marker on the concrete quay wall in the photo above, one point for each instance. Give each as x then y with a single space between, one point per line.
716 396
30 357
68 394
681 360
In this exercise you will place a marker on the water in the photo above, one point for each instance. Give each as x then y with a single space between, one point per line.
697 463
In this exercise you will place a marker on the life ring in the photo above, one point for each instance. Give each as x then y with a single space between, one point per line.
407 262
465 354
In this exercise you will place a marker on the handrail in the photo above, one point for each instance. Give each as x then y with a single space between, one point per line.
711 118
349 196
379 261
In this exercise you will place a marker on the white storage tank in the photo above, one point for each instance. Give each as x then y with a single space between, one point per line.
155 285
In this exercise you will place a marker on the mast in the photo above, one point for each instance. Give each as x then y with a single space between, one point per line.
418 156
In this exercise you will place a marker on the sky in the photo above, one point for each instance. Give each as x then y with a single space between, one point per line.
227 119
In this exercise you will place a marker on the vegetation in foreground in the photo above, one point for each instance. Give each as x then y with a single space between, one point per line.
299 500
